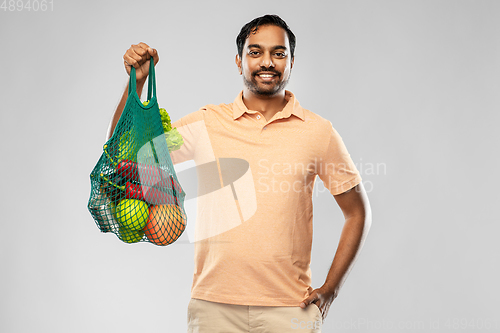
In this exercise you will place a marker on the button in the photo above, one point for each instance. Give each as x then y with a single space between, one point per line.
258 116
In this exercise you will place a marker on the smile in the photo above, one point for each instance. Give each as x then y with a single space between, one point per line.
267 77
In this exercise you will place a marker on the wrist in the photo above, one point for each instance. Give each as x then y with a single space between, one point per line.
141 81
330 288
140 86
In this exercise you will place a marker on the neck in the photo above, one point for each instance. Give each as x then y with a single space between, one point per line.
267 105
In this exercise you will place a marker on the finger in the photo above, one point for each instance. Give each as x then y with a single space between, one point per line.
138 51
143 46
154 54
141 49
130 61
127 67
311 299
133 59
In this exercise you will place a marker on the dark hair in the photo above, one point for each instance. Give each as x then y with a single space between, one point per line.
253 25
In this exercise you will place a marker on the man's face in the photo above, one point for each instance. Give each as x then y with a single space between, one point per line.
266 63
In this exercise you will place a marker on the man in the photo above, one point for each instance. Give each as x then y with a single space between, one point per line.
255 276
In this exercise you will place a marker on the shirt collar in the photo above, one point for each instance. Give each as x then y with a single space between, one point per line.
291 107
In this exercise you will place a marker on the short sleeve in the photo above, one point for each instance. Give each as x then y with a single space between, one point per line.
189 136
194 132
336 168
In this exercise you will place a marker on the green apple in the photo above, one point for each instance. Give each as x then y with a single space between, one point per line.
132 214
130 236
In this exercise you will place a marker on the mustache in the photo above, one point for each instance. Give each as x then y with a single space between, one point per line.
264 69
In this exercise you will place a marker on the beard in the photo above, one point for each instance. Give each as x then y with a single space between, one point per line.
265 89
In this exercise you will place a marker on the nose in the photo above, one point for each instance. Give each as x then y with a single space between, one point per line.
267 61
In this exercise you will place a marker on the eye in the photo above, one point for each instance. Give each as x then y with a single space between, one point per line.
253 53
280 54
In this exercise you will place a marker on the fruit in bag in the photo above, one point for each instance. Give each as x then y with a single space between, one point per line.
132 214
130 236
165 224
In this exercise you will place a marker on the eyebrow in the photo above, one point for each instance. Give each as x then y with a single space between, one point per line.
274 48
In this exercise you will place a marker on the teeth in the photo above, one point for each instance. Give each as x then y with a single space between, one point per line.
266 75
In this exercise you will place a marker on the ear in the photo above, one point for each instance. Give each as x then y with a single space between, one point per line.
238 63
291 64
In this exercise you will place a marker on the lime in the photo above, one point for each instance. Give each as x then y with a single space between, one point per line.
132 214
130 236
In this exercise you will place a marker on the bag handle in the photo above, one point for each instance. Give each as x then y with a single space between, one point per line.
151 80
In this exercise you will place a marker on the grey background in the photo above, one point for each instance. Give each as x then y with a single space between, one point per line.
411 86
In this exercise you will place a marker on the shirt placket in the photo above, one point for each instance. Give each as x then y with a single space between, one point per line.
261 120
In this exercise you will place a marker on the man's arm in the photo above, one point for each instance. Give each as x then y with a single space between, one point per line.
137 56
357 213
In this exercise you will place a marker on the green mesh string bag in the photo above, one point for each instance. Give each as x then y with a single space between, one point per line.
135 192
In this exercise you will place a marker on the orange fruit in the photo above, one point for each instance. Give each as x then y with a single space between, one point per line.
165 224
